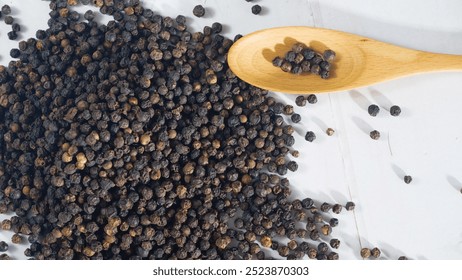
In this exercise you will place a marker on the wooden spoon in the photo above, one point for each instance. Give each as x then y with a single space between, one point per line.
360 61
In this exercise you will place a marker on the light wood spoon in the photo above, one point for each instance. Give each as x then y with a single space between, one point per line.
360 61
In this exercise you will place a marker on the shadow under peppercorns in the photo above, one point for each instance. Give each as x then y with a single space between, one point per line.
363 125
456 184
390 252
339 197
360 99
398 171
321 124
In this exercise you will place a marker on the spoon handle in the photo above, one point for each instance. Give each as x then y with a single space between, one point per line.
430 62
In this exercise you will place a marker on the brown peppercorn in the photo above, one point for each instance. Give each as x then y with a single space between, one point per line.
266 241
6 224
223 242
330 131
365 253
375 252
16 238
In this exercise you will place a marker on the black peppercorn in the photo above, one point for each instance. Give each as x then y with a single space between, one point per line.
8 20
325 207
199 11
310 136
312 99
337 208
334 243
350 206
256 9
374 134
296 118
4 257
402 258
6 10
373 110
375 252
407 179
3 246
16 238
395 110
12 35
300 100
16 27
333 222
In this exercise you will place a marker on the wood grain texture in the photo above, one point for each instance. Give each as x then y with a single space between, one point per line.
360 61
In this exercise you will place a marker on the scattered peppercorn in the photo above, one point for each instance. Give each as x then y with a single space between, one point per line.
395 110
350 206
374 134
312 99
365 253
310 136
337 208
375 252
296 118
300 100
407 179
333 222
3 246
334 243
402 258
330 131
8 20
199 11
6 9
373 110
16 238
16 27
4 257
12 35
256 9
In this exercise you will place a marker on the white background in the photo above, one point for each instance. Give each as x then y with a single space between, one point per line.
421 220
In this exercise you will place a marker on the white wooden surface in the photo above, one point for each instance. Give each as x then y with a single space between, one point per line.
421 220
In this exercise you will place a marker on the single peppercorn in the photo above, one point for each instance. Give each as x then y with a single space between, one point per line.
6 9
330 131
350 206
375 253
12 35
16 238
199 11
256 9
374 134
334 243
4 257
395 110
373 110
333 222
402 258
325 207
3 246
337 208
300 100
8 20
407 179
16 27
296 118
365 253
310 136
312 99
329 55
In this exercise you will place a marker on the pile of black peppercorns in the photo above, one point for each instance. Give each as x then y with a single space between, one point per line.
302 59
134 140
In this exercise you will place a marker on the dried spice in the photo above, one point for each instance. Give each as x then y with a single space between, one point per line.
373 110
330 131
3 246
199 11
365 253
407 179
395 110
375 252
334 243
350 206
140 143
374 134
310 136
256 9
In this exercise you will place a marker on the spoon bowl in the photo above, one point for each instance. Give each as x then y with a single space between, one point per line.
359 61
